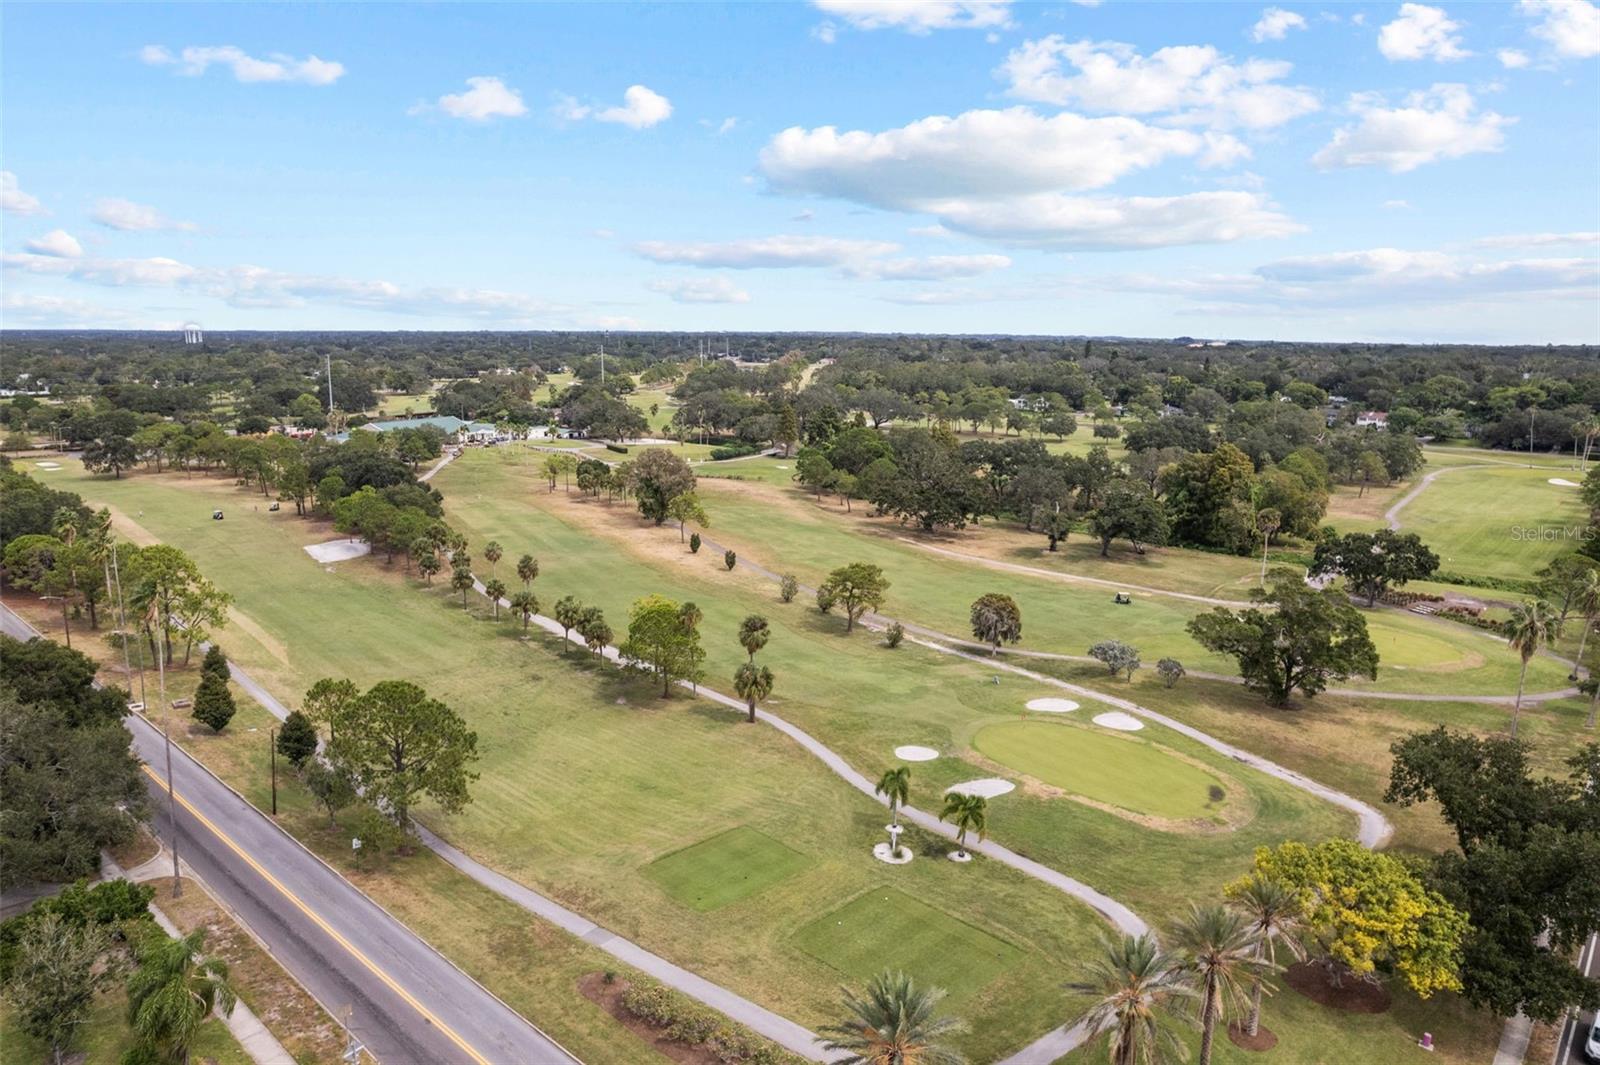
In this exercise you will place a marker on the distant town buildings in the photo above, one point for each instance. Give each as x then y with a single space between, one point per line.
1375 419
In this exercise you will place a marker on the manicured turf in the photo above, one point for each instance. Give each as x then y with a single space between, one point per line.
888 929
1132 773
725 868
1499 522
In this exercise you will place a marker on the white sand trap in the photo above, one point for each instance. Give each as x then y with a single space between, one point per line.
1052 706
1118 720
913 753
1559 481
780 466
48 465
338 550
988 787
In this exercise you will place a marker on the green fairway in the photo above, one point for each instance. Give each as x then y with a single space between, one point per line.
393 403
725 868
1132 773
888 929
1497 522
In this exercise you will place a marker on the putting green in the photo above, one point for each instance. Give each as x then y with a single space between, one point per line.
1134 774
725 868
1401 647
888 929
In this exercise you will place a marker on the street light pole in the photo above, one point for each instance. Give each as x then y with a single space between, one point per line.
166 734
272 743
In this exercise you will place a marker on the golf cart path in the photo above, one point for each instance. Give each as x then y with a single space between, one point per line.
1392 515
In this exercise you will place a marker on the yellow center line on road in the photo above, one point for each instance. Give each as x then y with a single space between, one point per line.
355 952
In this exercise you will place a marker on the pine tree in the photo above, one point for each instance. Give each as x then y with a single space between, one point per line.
297 740
215 662
213 702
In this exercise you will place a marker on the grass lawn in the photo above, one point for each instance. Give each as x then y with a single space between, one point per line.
725 868
587 778
665 407
930 945
1500 522
767 469
394 403
1125 771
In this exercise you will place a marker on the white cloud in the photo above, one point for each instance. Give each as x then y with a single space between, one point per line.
57 243
1396 205
195 60
135 217
759 252
1590 240
930 268
1512 58
1275 23
935 231
1104 223
702 290
727 125
1570 27
1187 84
1421 32
13 200
1441 122
641 108
486 98
916 16
27 308
256 286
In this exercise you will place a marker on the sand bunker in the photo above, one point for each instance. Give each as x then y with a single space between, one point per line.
988 787
1052 706
913 753
48 465
338 550
1118 720
1564 483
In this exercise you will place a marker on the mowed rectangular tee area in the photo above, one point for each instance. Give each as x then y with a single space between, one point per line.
725 868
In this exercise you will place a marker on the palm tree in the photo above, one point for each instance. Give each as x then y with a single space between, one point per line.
492 553
527 570
1275 915
754 634
969 813
1268 521
174 990
1219 952
895 785
690 616
525 604
895 1023
428 565
1586 598
753 683
461 581
495 589
1526 631
1142 993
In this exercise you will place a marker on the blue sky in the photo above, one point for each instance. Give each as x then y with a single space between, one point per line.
1338 171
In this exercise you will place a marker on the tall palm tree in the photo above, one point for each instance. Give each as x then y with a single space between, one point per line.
894 1023
174 990
754 632
495 589
527 570
1526 631
492 553
1268 521
1275 915
1586 598
895 785
1144 996
753 683
524 604
1217 949
969 813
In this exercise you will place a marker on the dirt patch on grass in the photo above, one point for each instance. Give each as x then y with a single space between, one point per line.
130 528
608 997
303 1027
138 850
1264 1039
1353 995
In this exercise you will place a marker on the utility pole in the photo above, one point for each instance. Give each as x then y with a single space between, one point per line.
1530 436
122 613
327 362
272 744
604 337
166 734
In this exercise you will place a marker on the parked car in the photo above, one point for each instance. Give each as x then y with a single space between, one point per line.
1591 1047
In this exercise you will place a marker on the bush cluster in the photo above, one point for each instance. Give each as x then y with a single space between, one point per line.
733 451
694 1024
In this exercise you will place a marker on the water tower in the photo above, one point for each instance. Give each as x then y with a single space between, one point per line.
192 333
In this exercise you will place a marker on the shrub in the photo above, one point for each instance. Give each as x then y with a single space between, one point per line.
825 599
297 739
730 559
1118 656
1215 793
618 448
894 634
1170 670
694 1024
733 451
694 543
788 588
213 702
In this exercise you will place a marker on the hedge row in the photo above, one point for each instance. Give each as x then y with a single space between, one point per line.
1500 584
618 448
733 451
696 1025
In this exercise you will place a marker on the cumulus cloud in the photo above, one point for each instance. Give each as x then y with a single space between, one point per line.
13 200
1421 32
1105 223
1275 23
57 243
1185 84
641 108
761 252
915 16
256 286
485 99
930 268
701 290
128 216
1441 122
1512 58
1540 240
196 60
1570 27
28 308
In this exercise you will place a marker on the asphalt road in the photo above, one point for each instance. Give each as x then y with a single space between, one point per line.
1569 1050
410 1006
